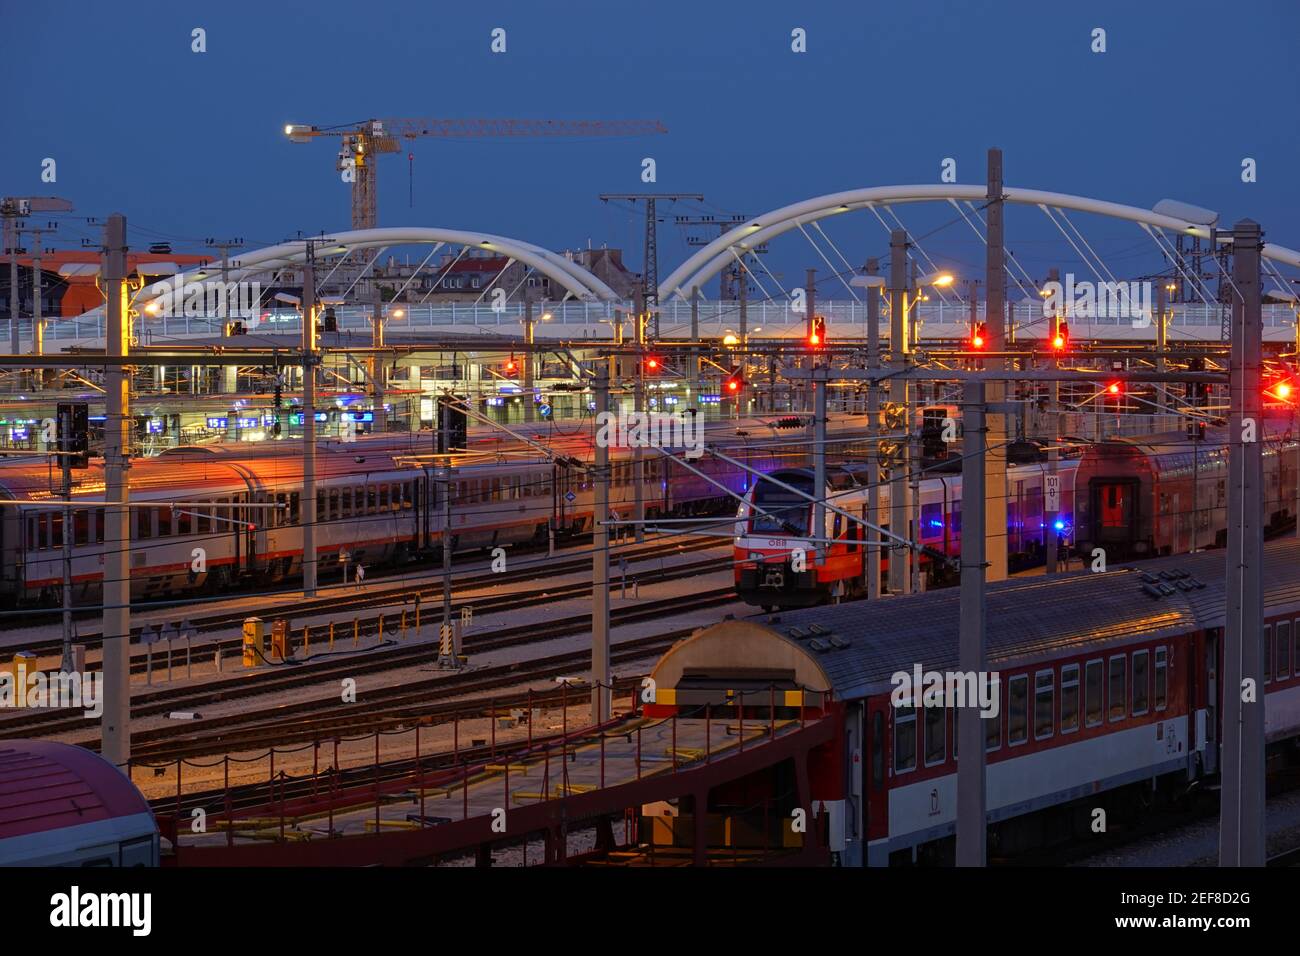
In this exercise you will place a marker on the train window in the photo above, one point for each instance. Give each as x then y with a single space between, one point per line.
936 744
1044 703
56 530
1117 691
904 739
345 502
80 527
1162 677
1295 648
1268 653
295 507
1034 508
781 511
1282 654
321 500
203 519
372 500
837 525
1018 710
144 523
99 526
932 520
41 535
954 518
1141 682
1069 698
877 750
384 504
1092 699
993 725
183 521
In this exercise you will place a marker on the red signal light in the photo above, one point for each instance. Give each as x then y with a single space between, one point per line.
1114 388
652 365
817 334
978 337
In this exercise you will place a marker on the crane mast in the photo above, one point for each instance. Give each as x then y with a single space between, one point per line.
361 144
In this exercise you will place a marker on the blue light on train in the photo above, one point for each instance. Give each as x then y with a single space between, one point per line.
936 522
1059 525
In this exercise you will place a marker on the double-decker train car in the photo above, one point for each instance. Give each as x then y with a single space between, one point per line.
210 517
1103 690
62 805
773 528
1168 494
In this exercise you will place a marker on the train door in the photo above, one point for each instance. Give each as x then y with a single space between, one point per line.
1211 701
561 489
1114 512
876 802
854 811
426 504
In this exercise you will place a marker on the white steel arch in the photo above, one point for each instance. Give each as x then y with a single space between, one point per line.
710 259
574 278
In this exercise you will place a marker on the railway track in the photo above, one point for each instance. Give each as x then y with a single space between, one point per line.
390 709
288 677
290 787
342 601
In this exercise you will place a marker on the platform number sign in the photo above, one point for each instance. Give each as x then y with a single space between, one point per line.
1052 492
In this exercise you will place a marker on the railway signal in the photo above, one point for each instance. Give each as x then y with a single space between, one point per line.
817 337
735 382
979 338
1061 340
653 366
1281 391
511 366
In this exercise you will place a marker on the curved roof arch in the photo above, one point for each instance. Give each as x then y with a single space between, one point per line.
574 278
711 258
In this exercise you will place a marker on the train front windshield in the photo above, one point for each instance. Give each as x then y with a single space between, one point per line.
779 511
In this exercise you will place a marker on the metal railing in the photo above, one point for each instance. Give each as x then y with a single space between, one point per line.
847 316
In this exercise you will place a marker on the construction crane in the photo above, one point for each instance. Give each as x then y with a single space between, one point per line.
363 143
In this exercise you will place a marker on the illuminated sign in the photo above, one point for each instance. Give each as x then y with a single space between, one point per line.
155 426
218 422
246 422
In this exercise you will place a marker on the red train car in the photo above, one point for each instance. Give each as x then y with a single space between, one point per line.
62 805
1107 689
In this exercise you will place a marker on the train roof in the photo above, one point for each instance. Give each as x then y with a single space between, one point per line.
45 785
860 645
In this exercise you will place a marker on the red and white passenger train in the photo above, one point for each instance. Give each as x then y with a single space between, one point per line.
1132 498
1108 686
378 499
